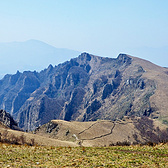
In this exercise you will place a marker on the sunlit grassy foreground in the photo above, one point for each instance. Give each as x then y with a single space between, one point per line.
116 156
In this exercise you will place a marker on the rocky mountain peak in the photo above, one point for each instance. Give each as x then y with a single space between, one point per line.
124 58
85 57
85 88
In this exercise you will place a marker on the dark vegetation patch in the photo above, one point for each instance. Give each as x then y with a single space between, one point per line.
107 91
149 132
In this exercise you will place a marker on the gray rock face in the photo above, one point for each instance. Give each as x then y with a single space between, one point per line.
6 119
85 88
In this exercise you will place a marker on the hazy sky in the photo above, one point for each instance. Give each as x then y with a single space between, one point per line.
101 27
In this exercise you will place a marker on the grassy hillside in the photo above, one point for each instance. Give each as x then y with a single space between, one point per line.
17 137
118 156
99 133
135 130
43 151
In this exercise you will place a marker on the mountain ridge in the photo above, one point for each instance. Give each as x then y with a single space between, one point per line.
86 88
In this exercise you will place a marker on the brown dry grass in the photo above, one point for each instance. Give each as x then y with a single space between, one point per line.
27 138
97 133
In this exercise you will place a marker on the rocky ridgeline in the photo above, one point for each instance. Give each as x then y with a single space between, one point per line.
83 89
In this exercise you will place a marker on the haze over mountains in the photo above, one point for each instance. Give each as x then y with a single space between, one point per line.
31 55
37 55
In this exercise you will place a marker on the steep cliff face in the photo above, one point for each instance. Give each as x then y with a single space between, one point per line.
16 89
7 120
85 88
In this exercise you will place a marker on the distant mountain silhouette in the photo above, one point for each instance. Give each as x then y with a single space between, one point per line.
31 55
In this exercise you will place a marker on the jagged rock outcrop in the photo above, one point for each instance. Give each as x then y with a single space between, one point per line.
8 121
85 88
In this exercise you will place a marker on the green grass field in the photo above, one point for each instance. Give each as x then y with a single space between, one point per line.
115 156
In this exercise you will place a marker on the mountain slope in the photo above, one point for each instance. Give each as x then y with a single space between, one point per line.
18 137
26 56
159 75
133 130
87 88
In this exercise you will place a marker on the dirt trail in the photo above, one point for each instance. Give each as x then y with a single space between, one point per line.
101 135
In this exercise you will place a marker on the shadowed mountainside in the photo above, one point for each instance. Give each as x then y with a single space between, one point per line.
87 88
7 121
